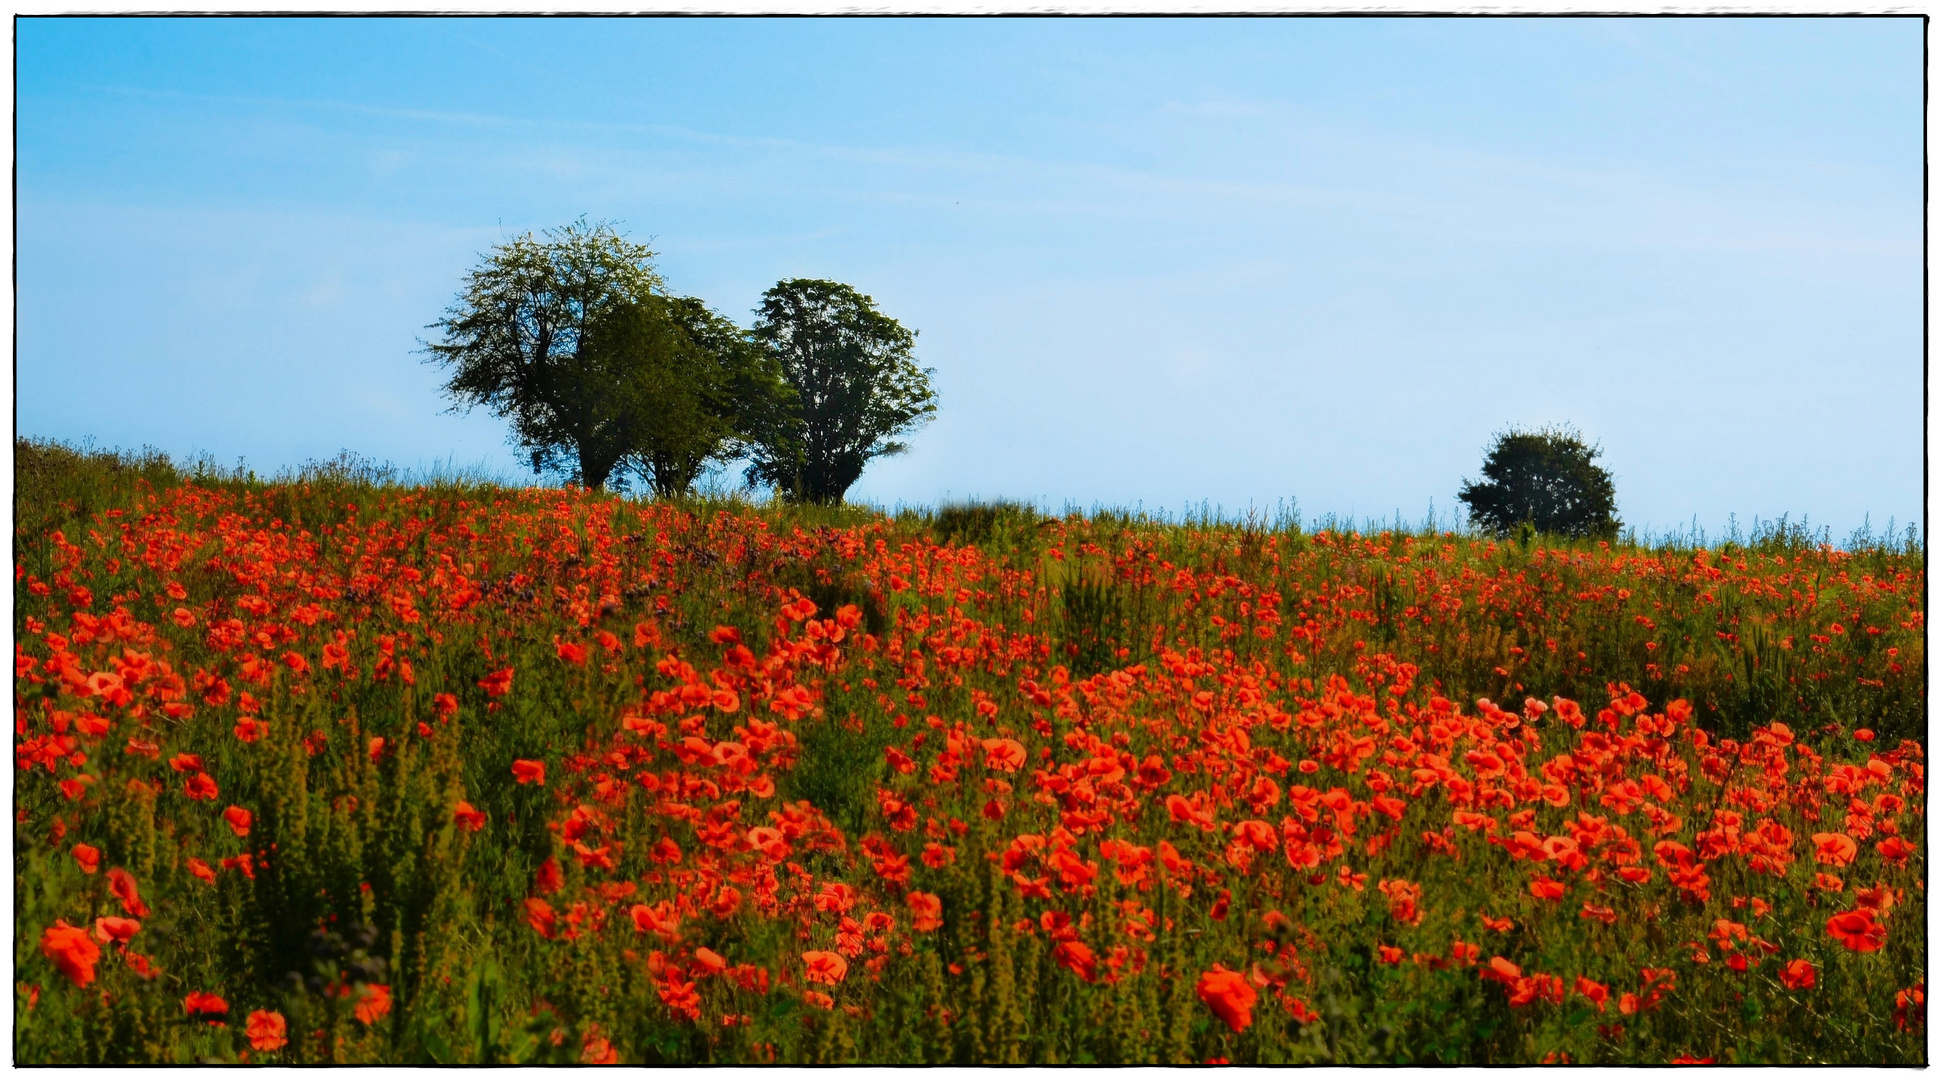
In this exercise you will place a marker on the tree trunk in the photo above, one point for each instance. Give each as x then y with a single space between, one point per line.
594 469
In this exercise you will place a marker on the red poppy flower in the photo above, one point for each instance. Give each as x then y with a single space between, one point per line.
468 818
1502 970
71 951
1597 992
540 916
1857 930
238 820
824 967
203 1005
497 684
1004 755
88 857
122 884
835 897
926 910
267 1030
1894 849
529 772
114 929
1833 849
373 1004
548 879
1078 958
1230 997
1798 975
1910 1006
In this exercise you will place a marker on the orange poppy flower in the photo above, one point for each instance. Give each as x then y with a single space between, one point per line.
1798 975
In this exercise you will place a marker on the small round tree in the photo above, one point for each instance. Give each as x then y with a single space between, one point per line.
1548 479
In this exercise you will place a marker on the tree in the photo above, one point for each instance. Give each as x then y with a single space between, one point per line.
857 388
1546 478
703 389
519 340
603 374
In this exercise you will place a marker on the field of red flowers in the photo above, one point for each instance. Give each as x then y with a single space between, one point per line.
323 771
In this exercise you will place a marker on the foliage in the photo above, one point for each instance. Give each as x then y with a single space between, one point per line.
1547 480
518 340
574 339
466 774
857 388
698 386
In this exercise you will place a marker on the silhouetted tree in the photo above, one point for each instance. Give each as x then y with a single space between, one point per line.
1547 478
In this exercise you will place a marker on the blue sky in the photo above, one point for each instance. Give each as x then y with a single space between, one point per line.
1153 261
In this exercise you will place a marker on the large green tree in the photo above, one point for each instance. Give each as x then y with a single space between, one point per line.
518 341
857 388
1548 479
572 337
702 387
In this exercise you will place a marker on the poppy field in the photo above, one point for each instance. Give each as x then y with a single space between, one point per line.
333 771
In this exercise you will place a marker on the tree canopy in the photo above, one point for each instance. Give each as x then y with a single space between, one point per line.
857 388
1547 479
701 386
572 336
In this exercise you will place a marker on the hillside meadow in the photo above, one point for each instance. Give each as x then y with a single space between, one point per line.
335 769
